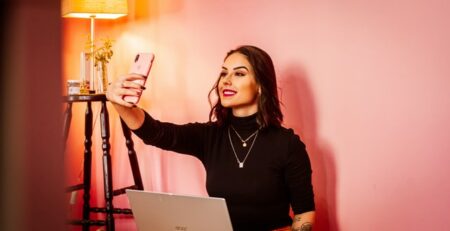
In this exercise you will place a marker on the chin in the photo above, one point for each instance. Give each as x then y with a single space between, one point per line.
226 105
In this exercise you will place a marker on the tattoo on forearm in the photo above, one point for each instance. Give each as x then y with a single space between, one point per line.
305 227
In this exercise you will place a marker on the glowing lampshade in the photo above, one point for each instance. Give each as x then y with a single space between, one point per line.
100 9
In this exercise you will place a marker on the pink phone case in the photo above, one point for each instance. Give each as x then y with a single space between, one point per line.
141 66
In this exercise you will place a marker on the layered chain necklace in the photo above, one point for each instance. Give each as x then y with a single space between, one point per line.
244 144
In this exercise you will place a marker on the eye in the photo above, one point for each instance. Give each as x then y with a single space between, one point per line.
240 73
222 74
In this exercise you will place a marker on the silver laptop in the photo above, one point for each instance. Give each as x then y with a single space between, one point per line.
154 211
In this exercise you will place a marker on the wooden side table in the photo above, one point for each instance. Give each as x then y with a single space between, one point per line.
109 209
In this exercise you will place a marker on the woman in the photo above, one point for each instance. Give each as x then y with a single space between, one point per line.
260 168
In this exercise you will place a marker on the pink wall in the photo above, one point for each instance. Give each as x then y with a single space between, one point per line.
365 84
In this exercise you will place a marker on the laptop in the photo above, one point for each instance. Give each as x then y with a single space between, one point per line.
155 211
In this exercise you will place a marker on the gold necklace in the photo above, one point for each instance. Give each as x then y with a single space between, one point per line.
244 142
241 163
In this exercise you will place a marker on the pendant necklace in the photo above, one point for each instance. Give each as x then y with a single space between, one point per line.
241 163
244 142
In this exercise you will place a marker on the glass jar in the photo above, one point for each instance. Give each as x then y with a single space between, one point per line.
73 87
102 77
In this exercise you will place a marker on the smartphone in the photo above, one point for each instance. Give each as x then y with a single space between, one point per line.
141 66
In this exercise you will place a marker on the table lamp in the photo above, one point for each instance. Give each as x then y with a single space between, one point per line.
94 9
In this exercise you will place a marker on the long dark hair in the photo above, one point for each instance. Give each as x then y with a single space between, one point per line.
269 112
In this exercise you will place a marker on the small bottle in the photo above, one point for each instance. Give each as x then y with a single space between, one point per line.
84 87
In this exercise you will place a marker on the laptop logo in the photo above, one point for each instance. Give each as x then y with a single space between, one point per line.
181 228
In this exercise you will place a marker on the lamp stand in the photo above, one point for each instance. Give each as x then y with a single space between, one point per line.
92 57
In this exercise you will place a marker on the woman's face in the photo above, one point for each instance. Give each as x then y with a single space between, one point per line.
237 86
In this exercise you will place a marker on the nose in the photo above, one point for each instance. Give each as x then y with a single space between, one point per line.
226 80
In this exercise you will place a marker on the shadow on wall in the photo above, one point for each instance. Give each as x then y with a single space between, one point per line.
300 114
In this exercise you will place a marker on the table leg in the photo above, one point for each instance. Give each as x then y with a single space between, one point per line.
67 120
87 165
107 174
132 157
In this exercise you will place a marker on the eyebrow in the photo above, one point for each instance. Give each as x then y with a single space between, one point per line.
239 67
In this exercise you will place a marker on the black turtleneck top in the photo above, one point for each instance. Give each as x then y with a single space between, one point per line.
275 175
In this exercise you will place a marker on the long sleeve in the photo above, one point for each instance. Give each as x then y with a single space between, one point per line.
187 138
298 176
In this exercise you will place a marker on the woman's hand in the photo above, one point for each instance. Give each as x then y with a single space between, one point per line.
123 86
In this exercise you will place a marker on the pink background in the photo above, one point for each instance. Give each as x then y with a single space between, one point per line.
364 83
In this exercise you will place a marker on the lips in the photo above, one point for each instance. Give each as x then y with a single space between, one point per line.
228 92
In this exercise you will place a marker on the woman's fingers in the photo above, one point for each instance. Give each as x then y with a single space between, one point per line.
125 85
118 96
135 84
133 81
